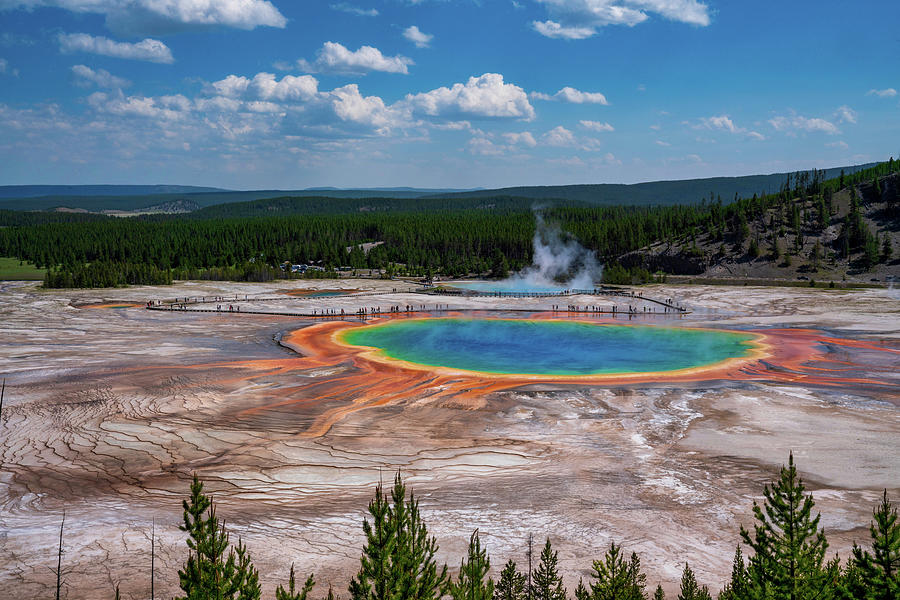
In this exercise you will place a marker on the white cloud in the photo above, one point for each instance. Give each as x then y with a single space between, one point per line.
413 34
662 143
724 123
4 68
350 105
795 123
85 76
166 108
482 146
149 49
265 86
579 19
165 16
570 94
845 114
559 136
552 29
524 139
355 10
841 144
335 58
885 93
484 96
597 126
574 96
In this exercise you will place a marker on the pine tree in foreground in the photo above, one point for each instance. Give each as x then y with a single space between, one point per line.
690 589
616 579
208 573
473 582
659 594
737 587
880 569
789 548
398 559
511 585
292 593
547 583
581 592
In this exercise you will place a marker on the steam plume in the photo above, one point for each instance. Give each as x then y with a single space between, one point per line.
559 261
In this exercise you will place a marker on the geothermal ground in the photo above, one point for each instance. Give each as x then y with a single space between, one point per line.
110 407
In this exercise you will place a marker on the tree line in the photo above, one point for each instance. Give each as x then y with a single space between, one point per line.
787 559
483 238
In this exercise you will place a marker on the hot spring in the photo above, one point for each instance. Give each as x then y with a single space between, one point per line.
548 347
513 285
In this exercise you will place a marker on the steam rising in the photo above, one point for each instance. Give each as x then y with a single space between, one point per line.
559 261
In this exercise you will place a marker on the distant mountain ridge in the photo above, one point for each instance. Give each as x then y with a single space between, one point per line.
685 191
35 191
99 198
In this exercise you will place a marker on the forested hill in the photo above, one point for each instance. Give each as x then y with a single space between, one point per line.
35 191
292 205
658 193
118 198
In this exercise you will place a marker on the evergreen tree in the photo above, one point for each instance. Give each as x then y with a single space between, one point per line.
659 594
852 585
887 250
473 582
292 593
690 589
737 587
398 558
880 569
789 548
581 592
547 583
616 579
208 573
511 585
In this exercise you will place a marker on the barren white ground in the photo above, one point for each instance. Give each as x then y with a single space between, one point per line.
101 421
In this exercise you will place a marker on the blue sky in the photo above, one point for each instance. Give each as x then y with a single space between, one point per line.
441 93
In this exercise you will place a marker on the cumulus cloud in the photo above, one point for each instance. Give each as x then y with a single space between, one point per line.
335 58
552 29
523 138
166 16
559 136
794 123
845 114
167 108
6 70
885 93
266 86
370 111
85 77
570 94
721 122
417 37
482 146
597 126
149 49
484 96
579 19
841 144
724 123
355 10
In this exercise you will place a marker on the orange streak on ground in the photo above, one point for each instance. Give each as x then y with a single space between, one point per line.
370 380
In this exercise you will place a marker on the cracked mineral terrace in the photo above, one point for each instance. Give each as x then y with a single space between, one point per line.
110 407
